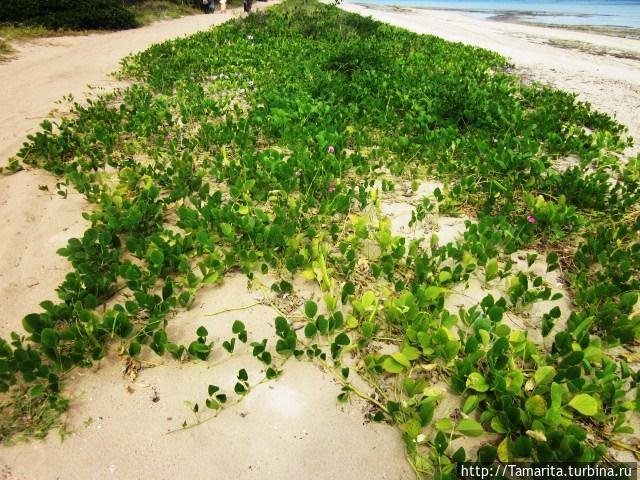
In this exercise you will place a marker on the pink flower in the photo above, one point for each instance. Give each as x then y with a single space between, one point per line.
531 219
332 187
331 150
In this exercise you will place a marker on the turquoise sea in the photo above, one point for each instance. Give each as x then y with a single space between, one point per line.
614 13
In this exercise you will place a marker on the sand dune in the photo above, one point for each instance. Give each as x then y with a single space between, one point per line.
290 428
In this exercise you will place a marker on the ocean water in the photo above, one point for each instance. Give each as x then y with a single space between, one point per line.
613 13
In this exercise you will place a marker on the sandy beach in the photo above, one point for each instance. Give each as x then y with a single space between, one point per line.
289 428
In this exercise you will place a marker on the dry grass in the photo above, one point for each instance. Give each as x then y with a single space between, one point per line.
6 51
25 32
15 33
154 10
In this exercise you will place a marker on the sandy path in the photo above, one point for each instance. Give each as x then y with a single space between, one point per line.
609 83
34 224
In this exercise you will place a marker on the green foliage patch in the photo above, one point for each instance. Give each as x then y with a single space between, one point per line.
69 14
153 10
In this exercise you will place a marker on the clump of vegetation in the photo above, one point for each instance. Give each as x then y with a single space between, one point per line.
31 413
153 10
10 32
274 155
5 50
69 14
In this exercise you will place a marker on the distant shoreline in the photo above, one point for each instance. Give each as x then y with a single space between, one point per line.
514 16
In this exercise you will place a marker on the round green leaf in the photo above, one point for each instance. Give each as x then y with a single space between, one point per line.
391 366
544 375
491 269
585 404
49 337
156 257
401 359
202 331
476 382
536 405
238 327
310 330
310 308
470 427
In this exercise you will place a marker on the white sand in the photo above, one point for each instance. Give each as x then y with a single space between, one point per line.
291 428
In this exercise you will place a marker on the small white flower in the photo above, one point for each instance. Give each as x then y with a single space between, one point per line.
250 37
251 84
242 90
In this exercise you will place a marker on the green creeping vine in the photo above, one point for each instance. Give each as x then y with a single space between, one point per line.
275 153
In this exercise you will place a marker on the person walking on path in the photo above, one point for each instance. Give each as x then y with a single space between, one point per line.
247 5
208 6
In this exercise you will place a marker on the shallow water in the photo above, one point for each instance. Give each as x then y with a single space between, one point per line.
615 13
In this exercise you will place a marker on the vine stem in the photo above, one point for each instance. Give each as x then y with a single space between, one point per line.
229 405
200 422
153 364
414 467
372 384
354 389
386 339
233 309
625 446
225 359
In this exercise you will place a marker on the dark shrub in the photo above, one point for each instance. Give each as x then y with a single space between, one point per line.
71 14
